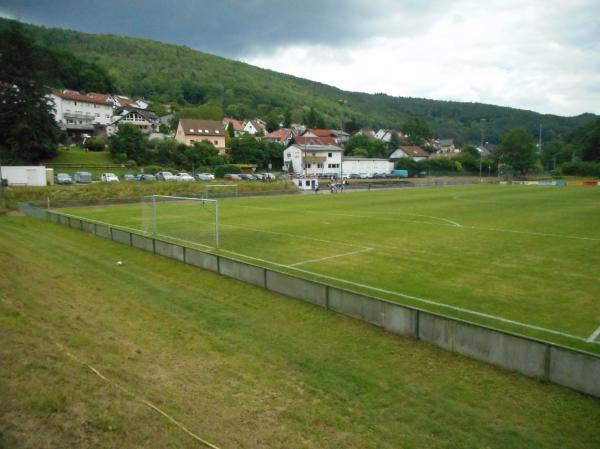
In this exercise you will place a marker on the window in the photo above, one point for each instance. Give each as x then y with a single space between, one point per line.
329 154
307 183
320 165
289 155
216 131
216 142
314 154
75 103
97 115
191 130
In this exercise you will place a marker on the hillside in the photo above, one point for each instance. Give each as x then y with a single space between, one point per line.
180 75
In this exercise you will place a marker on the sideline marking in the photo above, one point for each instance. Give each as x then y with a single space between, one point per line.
595 334
331 257
415 298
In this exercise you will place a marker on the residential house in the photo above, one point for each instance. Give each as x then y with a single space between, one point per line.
193 130
121 101
282 135
488 150
445 146
238 127
367 132
146 121
413 152
313 160
341 136
255 126
81 115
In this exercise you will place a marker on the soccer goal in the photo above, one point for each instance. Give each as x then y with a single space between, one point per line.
220 191
184 219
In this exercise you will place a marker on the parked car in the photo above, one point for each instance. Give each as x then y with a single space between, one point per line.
184 177
205 177
232 177
129 177
364 175
268 176
165 176
145 177
109 177
354 176
82 177
63 178
246 177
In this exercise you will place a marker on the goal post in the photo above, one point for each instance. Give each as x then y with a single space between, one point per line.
220 191
186 219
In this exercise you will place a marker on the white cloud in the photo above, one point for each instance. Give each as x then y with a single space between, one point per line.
541 55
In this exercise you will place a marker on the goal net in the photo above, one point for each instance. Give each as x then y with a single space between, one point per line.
220 191
186 220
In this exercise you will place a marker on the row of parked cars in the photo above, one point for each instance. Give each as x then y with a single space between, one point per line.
86 177
250 177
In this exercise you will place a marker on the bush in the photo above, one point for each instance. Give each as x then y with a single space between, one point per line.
95 144
222 170
581 169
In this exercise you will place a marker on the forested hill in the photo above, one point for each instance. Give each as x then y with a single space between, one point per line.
186 77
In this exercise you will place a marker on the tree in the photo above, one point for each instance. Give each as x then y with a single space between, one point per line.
287 119
418 130
372 147
272 122
394 140
129 143
202 153
28 131
230 130
518 150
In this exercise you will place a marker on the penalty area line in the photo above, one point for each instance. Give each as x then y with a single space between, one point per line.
330 257
414 298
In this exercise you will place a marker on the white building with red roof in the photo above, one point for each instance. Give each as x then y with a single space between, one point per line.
74 108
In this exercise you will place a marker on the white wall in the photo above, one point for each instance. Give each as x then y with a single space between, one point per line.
355 166
24 175
79 112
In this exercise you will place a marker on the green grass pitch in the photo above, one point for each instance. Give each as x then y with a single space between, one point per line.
520 258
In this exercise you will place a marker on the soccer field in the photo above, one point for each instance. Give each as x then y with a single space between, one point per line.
519 258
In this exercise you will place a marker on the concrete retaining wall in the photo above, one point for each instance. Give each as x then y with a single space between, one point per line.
121 236
574 370
168 250
498 348
571 368
242 271
141 242
312 292
201 259
102 231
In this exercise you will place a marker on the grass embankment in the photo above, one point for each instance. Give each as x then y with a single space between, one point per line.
121 190
74 156
237 365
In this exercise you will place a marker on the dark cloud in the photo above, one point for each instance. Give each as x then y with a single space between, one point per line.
226 27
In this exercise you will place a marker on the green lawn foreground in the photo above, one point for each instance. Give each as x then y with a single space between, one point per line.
237 365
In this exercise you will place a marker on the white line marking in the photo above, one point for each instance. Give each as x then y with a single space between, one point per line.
595 334
330 257
415 298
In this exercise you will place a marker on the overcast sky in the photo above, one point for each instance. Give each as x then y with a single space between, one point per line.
539 55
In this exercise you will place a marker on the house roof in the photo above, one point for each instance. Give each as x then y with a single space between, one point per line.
280 134
73 95
315 148
321 132
413 151
148 115
304 140
195 127
445 142
237 125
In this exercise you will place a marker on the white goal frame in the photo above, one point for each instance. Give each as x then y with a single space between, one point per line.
186 198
